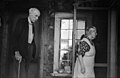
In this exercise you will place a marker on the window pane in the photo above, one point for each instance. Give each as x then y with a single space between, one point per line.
70 34
79 33
64 44
65 61
66 34
62 53
64 24
80 24
70 43
71 24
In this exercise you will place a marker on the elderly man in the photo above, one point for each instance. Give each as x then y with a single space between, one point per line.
23 38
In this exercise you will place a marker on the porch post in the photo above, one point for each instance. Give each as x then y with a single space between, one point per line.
113 45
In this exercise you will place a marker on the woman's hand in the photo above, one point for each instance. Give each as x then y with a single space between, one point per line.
80 58
83 70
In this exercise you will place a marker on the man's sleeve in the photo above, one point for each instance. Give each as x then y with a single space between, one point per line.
16 36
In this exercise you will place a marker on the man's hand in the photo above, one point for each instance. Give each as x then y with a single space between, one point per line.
18 56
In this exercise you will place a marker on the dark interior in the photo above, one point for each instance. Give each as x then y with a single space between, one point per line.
12 10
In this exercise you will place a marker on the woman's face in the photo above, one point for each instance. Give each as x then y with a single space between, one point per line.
92 34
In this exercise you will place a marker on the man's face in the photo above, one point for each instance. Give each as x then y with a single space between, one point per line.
34 16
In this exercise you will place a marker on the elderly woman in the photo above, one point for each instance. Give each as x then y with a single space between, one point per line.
84 66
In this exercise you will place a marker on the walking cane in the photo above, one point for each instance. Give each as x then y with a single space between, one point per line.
19 68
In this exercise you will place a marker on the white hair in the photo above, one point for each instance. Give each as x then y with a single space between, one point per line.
32 10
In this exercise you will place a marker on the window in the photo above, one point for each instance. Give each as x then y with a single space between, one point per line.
65 57
63 43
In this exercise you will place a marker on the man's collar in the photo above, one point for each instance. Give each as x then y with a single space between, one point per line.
29 21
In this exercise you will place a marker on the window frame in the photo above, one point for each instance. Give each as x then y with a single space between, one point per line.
58 17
